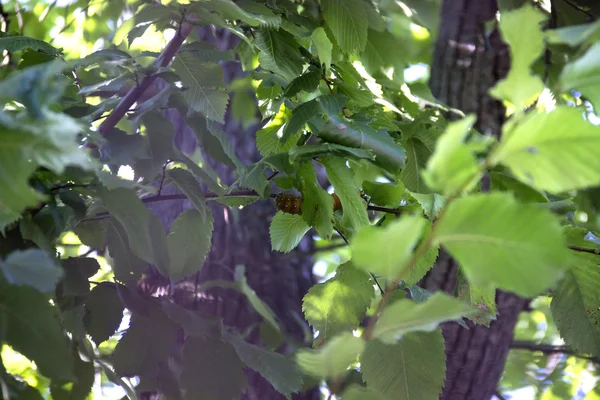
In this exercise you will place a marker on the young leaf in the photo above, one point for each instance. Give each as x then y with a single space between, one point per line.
103 312
453 166
400 370
496 231
185 181
404 316
353 206
521 87
333 358
340 303
553 151
287 230
317 204
371 248
189 243
576 304
347 21
31 326
279 370
222 378
33 268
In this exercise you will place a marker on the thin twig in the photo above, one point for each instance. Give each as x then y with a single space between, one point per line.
551 349
162 179
585 250
499 395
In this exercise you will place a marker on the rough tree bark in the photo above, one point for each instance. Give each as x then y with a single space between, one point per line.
467 62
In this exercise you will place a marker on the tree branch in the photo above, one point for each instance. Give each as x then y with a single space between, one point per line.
551 349
585 250
134 94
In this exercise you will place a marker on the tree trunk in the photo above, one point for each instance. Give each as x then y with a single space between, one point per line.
242 238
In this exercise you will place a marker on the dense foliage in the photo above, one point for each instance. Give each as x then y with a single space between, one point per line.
337 96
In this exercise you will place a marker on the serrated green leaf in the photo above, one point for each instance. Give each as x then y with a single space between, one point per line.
235 201
430 203
340 303
378 55
308 82
496 231
77 271
103 312
405 316
371 250
231 11
553 151
253 177
126 266
185 181
279 54
322 46
504 182
356 392
14 174
280 371
423 263
482 298
18 43
317 204
259 306
189 243
308 152
384 194
31 326
520 86
576 304
31 267
287 230
354 207
453 166
346 19
417 154
333 358
138 351
213 140
574 35
413 368
221 379
200 173
300 116
204 83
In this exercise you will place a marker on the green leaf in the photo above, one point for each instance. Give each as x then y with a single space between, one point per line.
317 204
332 359
231 11
423 264
192 322
85 375
78 270
31 326
213 140
405 316
354 207
340 303
384 194
574 35
346 19
504 182
280 371
259 306
253 177
200 173
126 266
138 351
235 201
418 152
300 116
356 392
15 170
279 54
371 248
33 268
159 134
160 248
520 86
453 166
103 312
377 54
553 151
185 181
482 298
413 368
576 304
205 86
287 230
322 46
496 231
582 75
308 152
388 154
132 214
222 378
430 203
18 43
308 82
189 243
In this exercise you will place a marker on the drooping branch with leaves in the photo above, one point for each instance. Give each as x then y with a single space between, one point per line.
164 185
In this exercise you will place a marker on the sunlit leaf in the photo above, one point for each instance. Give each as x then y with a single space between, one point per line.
287 230
333 358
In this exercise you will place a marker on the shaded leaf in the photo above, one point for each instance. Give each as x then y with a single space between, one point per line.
317 204
103 312
33 268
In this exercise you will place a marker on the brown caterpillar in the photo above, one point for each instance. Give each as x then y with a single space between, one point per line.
292 204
